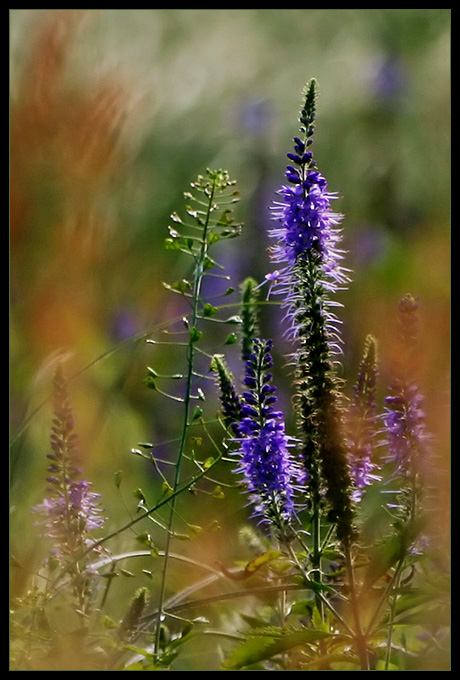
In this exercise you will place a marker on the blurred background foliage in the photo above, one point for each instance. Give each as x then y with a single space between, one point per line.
113 113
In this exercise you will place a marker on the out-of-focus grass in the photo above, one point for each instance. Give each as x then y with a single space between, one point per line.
114 112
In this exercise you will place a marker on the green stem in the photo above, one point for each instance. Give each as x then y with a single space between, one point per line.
361 646
316 537
396 579
197 283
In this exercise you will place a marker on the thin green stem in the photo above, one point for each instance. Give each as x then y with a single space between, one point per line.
395 582
197 283
361 646
319 596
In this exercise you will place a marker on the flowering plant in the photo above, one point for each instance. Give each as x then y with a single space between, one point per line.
318 591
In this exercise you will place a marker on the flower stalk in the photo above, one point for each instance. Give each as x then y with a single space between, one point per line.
311 272
71 511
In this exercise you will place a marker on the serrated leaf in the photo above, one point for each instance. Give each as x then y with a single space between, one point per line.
263 646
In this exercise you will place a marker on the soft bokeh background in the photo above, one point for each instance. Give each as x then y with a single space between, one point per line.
113 113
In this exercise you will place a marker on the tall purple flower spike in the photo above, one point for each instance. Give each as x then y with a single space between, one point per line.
71 511
269 472
404 417
309 272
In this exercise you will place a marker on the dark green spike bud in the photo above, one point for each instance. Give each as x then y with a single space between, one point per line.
132 618
249 316
308 114
231 406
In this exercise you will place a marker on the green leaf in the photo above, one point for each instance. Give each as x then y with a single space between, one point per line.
117 477
390 551
213 238
171 244
266 644
303 607
208 263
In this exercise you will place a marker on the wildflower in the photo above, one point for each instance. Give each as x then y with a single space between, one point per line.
308 229
71 511
363 420
404 421
308 259
265 461
404 417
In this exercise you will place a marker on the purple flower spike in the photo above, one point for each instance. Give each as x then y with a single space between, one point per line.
308 259
71 511
269 472
308 235
404 417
